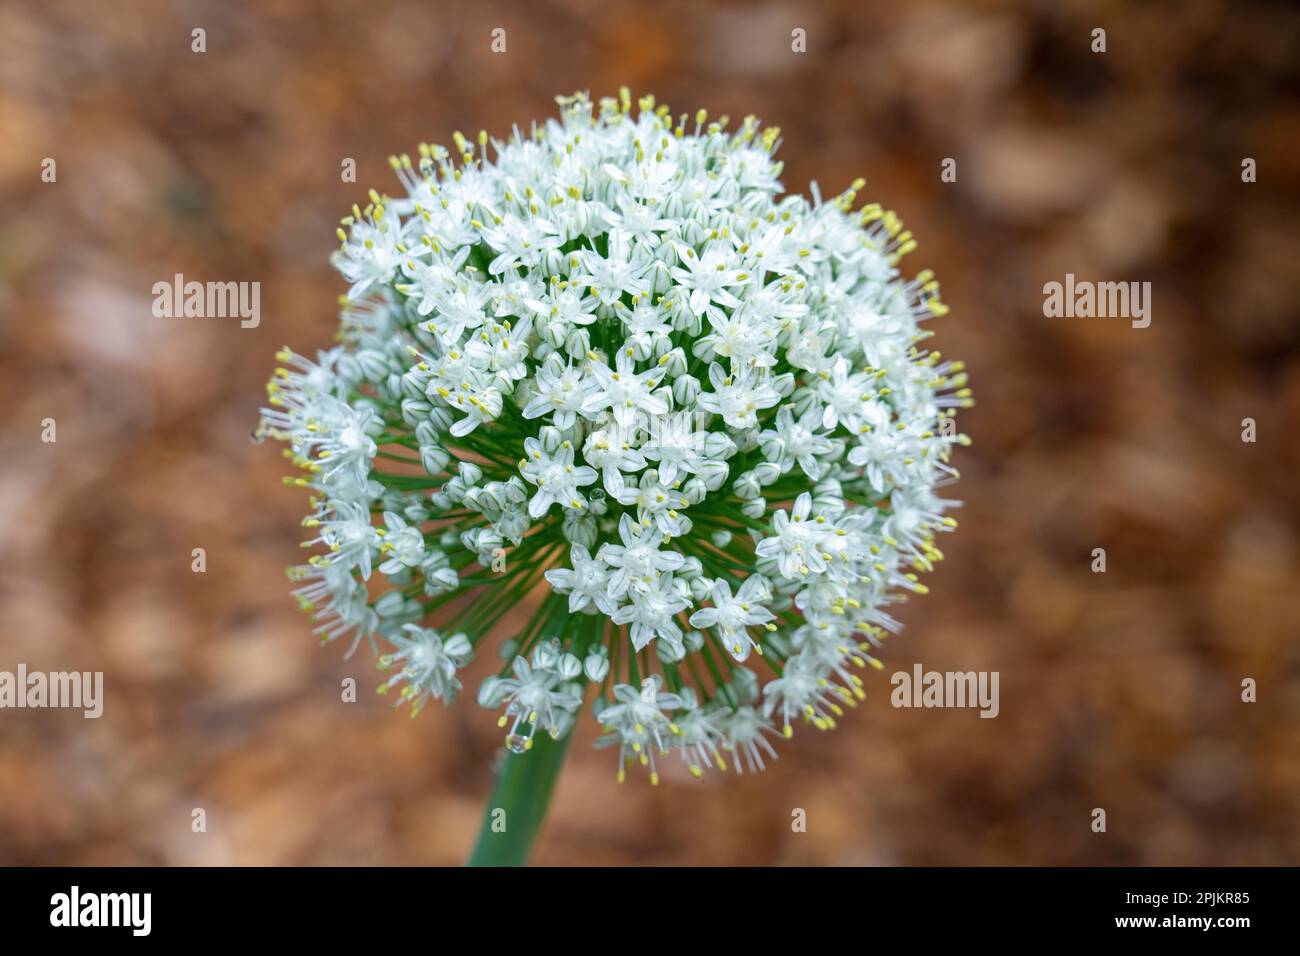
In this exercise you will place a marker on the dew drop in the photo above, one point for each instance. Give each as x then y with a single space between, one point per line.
516 743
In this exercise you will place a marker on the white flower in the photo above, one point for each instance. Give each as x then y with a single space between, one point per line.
403 542
427 665
637 222
616 274
709 276
480 404
586 584
803 690
502 349
459 306
656 502
738 398
637 723
432 281
700 734
643 321
743 337
732 616
746 733
341 438
560 390
609 449
797 544
567 305
797 441
849 398
621 312
520 240
348 533
676 446
625 391
540 692
556 478
371 255
638 561
652 611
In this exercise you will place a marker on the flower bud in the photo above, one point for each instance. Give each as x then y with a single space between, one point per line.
552 263
425 433
577 344
746 487
569 667
514 491
390 604
415 410
660 277
828 499
547 655
802 400
686 389
580 529
550 438
718 446
714 474
745 684
413 385
488 691
441 581
596 666
348 368
694 233
641 347
488 500
434 458
459 648
746 439
374 365
670 652
700 590
441 418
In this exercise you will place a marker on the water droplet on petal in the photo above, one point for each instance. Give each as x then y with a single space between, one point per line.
516 743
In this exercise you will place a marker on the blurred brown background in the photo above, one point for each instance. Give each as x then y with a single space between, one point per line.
1119 690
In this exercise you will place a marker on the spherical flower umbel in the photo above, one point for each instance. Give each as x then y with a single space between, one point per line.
609 363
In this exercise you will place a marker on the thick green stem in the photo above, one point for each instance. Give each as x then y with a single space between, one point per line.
519 801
